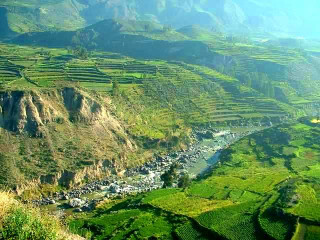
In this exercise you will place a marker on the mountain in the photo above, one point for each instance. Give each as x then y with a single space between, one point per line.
288 18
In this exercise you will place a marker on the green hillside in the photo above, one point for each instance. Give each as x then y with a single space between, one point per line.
159 119
34 16
166 84
18 221
266 187
197 93
289 75
152 110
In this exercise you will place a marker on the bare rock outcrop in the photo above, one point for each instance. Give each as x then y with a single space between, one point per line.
82 108
68 136
25 112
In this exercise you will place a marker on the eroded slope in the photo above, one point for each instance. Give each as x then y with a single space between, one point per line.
50 132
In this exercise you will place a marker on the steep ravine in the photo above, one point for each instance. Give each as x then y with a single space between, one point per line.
62 136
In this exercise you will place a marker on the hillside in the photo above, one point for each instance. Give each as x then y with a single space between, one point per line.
90 128
159 119
266 186
65 122
18 221
288 74
230 16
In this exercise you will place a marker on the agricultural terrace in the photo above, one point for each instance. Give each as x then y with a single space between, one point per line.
182 93
265 187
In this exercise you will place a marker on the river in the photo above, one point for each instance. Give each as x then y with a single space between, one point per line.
197 160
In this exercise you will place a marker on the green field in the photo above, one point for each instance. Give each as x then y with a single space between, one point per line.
253 194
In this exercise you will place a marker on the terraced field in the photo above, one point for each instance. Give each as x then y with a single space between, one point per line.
84 71
281 73
45 74
196 94
8 71
254 193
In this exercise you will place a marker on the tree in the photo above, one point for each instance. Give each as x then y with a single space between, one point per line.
115 88
184 181
169 176
69 49
81 52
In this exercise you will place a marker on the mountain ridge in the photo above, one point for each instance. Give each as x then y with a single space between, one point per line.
229 16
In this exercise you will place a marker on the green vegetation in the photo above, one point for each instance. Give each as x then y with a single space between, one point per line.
188 232
110 221
169 176
256 192
80 102
24 223
158 101
234 222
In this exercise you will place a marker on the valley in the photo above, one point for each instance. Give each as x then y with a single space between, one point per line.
159 119
252 199
196 161
152 109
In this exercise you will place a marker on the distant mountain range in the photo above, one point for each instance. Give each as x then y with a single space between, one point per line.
279 18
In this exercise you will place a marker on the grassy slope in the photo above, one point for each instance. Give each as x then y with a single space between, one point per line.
24 222
264 183
34 16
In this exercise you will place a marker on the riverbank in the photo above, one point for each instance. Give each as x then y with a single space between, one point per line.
195 161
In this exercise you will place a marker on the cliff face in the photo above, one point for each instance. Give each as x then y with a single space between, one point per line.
62 136
25 112
82 108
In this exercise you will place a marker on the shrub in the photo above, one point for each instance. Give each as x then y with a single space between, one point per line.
19 222
22 224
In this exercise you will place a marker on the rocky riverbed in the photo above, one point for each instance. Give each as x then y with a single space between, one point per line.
202 155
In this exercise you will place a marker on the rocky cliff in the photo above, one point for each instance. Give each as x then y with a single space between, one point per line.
61 136
25 112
